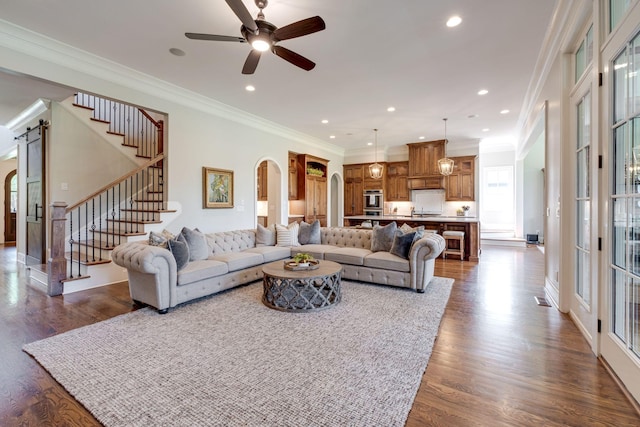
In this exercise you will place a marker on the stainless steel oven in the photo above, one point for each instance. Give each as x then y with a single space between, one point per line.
373 202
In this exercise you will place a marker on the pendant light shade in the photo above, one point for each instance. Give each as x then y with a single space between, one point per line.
445 165
375 169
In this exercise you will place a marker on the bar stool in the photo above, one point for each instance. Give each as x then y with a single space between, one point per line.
454 235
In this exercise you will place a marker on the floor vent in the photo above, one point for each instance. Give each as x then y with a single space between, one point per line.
542 301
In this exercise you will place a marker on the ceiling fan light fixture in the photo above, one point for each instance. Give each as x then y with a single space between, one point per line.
445 165
260 45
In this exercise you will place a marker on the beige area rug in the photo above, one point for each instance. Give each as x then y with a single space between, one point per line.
228 360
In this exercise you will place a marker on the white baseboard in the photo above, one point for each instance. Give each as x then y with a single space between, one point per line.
513 242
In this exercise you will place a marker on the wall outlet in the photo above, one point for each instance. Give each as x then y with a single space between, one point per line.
240 208
64 186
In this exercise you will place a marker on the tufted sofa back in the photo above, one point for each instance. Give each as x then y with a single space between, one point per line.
346 237
231 241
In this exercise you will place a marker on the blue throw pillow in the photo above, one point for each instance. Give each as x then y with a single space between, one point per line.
402 243
309 234
180 251
197 242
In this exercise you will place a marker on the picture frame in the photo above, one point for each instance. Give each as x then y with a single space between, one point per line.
217 188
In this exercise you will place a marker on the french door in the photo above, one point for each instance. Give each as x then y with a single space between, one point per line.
620 337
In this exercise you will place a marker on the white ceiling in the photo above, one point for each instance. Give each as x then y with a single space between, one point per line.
372 55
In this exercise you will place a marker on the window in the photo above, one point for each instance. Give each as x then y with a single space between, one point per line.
14 193
584 55
498 198
617 9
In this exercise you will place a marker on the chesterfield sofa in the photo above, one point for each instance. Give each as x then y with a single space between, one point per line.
234 259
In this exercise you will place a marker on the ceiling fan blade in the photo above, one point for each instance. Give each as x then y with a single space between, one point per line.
252 62
198 36
243 14
296 59
300 28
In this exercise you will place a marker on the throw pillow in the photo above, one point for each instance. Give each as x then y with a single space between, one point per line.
265 236
160 239
407 228
402 243
197 242
382 237
309 233
287 236
180 251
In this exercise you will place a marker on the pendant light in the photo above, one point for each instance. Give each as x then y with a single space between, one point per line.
375 170
445 165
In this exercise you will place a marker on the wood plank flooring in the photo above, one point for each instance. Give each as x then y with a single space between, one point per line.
499 360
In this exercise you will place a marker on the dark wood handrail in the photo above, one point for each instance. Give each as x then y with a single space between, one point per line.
144 113
117 181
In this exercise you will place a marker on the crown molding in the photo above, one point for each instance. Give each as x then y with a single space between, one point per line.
40 47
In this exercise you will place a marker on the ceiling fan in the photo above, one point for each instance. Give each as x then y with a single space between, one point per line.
263 36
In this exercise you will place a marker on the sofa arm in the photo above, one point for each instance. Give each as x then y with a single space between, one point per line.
152 272
422 259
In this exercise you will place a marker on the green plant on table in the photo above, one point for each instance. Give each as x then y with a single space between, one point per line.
302 258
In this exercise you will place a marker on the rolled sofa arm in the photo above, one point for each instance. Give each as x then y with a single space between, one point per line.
152 273
422 259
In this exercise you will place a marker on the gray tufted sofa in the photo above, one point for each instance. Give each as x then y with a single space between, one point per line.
235 260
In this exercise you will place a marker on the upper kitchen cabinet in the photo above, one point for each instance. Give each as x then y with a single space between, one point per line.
460 185
423 165
353 190
396 189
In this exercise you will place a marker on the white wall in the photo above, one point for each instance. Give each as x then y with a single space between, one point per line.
533 211
6 166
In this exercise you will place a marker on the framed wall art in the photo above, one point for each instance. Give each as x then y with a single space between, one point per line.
217 188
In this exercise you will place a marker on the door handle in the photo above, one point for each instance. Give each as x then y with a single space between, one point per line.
37 211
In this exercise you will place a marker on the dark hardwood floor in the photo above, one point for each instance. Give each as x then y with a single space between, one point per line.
499 360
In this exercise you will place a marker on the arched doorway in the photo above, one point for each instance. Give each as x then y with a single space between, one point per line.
10 207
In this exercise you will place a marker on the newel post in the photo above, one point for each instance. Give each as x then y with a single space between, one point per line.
57 264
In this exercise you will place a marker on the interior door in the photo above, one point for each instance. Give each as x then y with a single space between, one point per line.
620 336
35 247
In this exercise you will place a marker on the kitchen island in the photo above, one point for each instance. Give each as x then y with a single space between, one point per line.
469 225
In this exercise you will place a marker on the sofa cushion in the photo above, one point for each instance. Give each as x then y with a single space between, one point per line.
386 261
239 260
271 253
353 256
201 269
382 237
197 243
266 236
309 233
287 236
180 251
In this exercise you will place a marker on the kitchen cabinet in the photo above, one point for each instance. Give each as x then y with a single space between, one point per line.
293 176
460 185
353 189
397 187
312 183
423 165
263 189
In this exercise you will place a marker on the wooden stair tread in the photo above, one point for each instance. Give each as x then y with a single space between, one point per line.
83 258
100 120
150 210
129 145
115 133
98 244
131 221
83 106
149 201
155 192
117 233
143 156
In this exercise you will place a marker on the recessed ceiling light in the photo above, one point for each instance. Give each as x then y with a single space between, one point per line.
485 130
472 116
177 52
250 88
325 121
391 109
369 143
504 112
454 21
332 136
421 137
483 92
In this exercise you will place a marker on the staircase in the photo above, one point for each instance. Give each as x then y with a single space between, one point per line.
84 234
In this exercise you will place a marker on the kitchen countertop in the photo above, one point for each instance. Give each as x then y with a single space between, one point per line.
430 218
